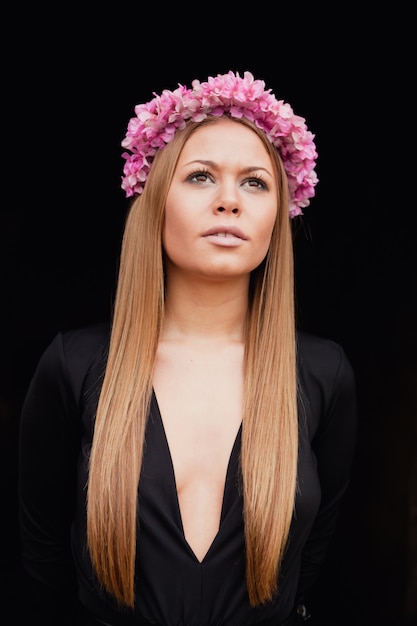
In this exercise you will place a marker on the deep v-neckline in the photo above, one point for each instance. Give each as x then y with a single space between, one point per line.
230 479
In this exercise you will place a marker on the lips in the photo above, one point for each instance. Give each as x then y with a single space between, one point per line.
225 231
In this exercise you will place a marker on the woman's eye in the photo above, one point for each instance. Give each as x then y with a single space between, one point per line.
257 182
202 177
198 177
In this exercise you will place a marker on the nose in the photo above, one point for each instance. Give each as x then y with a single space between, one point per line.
228 202
223 209
228 198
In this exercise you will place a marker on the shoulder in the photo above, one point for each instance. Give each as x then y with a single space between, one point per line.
85 342
323 367
319 353
74 355
326 392
68 376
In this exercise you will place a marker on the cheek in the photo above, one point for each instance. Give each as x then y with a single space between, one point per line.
174 224
265 235
174 232
267 226
175 214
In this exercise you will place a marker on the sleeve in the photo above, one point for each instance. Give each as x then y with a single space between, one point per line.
48 444
334 447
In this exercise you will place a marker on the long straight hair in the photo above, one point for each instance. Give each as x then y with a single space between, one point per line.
268 460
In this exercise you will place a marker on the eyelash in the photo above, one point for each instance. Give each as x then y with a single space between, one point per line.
203 172
196 173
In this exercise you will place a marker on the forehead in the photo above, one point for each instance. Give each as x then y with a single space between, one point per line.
224 138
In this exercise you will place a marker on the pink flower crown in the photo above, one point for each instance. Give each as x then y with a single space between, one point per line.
156 122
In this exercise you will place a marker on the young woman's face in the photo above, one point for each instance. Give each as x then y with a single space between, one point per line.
222 203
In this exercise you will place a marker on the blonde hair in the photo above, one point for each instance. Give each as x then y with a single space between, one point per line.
269 422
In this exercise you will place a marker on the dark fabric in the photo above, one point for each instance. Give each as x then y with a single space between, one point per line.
82 617
173 587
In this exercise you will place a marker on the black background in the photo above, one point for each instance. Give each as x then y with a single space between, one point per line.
70 83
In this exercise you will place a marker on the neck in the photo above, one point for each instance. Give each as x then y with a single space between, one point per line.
206 310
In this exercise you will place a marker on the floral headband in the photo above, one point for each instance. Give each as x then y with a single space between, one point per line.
156 122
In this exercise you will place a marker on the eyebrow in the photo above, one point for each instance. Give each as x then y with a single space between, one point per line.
247 170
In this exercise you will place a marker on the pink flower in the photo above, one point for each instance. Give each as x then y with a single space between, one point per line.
158 120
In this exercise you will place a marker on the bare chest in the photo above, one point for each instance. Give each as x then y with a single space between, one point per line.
200 399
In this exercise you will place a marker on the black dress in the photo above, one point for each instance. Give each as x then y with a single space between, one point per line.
172 587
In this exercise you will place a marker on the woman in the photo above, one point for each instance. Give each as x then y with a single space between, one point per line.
186 465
